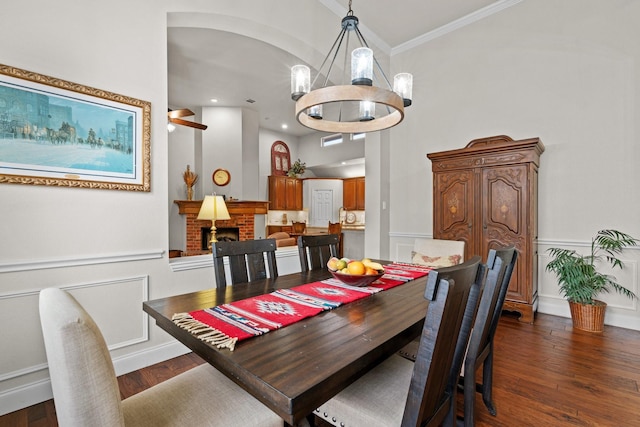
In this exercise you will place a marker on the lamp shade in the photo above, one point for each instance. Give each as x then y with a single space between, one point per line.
367 111
213 208
300 81
403 86
362 66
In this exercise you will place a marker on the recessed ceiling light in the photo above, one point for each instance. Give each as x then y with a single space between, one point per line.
284 126
214 100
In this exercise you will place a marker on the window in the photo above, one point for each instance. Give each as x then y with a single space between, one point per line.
280 158
327 141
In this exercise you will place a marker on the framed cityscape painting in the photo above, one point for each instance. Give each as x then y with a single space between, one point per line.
54 132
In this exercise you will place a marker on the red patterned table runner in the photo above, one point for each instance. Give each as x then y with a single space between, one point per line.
226 324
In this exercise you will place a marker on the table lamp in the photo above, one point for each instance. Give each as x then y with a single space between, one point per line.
213 208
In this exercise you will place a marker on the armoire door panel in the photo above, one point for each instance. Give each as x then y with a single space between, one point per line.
505 216
455 212
506 194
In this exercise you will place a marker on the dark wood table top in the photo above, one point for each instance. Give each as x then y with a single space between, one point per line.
295 369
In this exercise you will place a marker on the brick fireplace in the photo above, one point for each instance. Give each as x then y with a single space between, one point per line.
242 216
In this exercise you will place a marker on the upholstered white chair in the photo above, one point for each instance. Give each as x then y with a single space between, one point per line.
85 388
437 253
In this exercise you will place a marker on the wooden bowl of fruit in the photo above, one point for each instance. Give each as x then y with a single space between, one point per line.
355 272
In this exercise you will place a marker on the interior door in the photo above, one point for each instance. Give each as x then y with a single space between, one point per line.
322 208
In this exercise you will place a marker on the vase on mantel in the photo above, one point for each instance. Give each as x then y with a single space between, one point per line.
189 193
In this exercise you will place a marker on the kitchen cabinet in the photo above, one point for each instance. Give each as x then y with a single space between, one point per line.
486 194
353 193
285 193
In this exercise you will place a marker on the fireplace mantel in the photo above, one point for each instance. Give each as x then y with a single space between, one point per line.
242 216
237 207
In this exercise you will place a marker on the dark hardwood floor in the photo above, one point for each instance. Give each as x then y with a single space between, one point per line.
545 374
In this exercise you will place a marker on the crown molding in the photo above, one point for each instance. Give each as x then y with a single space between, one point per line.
455 25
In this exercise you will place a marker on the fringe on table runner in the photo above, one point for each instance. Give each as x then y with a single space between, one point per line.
204 332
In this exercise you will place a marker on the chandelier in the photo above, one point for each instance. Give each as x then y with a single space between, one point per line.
350 108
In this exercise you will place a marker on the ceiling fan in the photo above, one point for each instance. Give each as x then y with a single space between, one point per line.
174 117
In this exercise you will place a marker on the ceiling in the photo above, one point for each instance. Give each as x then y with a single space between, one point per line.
205 64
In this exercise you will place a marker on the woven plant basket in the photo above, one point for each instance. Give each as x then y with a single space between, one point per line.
588 317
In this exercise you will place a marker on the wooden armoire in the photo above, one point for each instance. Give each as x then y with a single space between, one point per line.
487 195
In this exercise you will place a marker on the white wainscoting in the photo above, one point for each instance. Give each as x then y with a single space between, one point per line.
621 311
120 319
286 258
78 261
402 245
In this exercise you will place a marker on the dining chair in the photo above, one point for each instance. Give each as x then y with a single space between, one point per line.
434 253
86 392
399 392
501 263
299 227
246 260
315 251
336 228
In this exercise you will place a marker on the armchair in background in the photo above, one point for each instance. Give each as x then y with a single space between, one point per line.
437 253
283 239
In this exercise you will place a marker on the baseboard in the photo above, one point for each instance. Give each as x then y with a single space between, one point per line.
39 391
149 356
25 396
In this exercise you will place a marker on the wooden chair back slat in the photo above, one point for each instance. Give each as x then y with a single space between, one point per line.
246 260
501 263
315 251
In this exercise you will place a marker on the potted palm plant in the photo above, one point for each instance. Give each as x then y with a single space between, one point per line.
580 282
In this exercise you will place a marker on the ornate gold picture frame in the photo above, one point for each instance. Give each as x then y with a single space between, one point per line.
54 132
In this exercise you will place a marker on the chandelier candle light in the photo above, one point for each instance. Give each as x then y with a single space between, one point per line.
316 109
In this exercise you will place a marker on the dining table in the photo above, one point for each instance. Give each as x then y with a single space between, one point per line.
294 369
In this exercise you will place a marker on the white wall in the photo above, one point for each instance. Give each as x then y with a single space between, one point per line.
108 246
565 72
182 152
312 153
222 147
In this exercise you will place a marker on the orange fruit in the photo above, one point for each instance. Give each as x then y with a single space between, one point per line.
356 267
370 271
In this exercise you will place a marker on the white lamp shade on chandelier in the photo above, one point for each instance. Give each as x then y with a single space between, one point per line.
300 81
350 108
362 66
